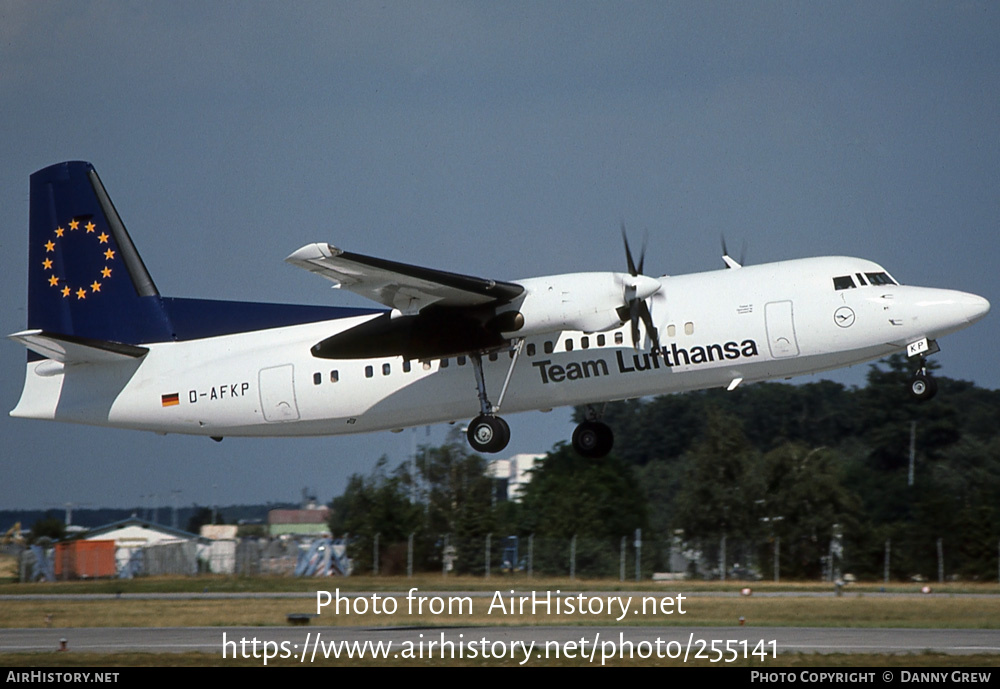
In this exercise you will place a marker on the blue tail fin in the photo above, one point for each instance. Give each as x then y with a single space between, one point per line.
85 278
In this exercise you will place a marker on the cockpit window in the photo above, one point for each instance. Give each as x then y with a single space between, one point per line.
844 282
880 279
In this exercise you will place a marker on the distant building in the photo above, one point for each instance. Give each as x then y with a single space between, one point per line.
307 522
142 547
513 475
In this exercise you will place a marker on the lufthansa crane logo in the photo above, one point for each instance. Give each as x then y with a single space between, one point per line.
844 317
81 238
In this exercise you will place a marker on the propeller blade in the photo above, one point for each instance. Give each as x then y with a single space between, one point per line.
647 320
634 305
628 254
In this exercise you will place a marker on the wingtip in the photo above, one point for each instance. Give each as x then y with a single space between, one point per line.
313 252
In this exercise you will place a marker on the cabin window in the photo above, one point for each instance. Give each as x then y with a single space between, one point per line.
600 340
548 347
531 349
844 282
671 330
461 360
493 356
427 366
406 366
385 369
444 363
569 345
689 328
619 338
317 378
334 376
585 342
369 372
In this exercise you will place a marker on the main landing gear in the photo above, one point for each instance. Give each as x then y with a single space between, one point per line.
593 439
490 433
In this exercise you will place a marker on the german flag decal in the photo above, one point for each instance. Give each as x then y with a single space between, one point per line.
171 400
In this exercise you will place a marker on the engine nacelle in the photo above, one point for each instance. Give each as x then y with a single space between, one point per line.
587 302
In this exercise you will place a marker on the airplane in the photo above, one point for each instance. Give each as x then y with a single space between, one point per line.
106 349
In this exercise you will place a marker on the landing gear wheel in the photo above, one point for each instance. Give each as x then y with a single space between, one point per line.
593 439
488 433
922 387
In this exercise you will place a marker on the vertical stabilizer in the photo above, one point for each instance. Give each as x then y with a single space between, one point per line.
85 277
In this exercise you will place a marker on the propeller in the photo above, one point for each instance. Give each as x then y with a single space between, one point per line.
637 291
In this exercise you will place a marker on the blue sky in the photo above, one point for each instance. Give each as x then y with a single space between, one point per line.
495 139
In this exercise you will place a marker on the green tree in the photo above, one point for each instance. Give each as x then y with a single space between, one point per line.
598 500
376 504
458 496
50 527
804 504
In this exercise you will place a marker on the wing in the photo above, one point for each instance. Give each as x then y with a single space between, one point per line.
407 288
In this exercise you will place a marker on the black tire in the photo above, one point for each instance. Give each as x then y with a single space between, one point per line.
593 439
488 434
922 387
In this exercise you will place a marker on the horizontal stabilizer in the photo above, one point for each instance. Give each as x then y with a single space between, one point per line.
69 349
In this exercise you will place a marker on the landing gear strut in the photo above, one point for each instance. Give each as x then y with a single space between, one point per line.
488 432
593 439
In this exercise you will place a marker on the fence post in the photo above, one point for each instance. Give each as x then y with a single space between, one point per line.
409 557
638 555
777 558
940 555
888 551
621 560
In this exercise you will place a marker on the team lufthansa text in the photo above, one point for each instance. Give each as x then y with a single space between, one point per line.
534 603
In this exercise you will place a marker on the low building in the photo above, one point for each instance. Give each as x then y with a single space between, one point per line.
305 522
142 547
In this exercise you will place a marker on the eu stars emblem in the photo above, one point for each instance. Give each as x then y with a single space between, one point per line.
71 247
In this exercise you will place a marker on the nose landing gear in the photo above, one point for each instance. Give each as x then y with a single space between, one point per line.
922 385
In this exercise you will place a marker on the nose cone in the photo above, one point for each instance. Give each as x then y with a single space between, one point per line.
645 286
974 307
944 311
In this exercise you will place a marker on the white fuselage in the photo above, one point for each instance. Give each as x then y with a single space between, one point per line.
716 329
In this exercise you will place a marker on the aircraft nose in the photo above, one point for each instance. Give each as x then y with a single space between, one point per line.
972 306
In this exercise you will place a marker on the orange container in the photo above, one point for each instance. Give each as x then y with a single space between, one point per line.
85 559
